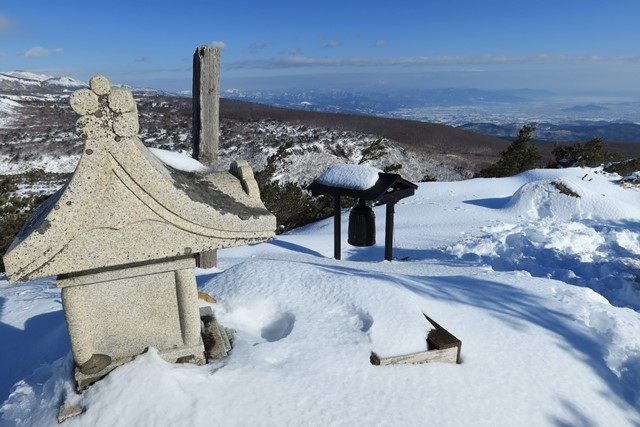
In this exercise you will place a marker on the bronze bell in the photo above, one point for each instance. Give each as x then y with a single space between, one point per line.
362 225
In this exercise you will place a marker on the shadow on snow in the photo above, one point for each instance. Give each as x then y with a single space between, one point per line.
43 340
518 308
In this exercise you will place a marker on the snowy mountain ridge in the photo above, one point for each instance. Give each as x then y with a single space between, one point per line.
27 78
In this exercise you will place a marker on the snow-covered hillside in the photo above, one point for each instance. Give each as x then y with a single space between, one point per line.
518 268
37 133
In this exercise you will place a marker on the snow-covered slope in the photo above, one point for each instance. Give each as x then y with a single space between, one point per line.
501 263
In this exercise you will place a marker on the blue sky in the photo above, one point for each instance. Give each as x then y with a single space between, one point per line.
589 46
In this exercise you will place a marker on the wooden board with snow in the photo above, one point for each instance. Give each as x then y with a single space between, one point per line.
442 347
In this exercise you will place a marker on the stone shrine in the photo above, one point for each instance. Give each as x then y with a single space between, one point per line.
121 236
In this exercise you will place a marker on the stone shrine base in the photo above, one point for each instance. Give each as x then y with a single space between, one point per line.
116 314
181 355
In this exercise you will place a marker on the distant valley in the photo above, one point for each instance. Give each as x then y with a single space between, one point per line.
496 113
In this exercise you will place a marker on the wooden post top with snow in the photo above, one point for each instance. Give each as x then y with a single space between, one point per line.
123 205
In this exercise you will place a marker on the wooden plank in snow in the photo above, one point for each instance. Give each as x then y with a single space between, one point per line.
442 347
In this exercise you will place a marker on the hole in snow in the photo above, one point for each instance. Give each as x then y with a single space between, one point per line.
366 321
259 320
278 328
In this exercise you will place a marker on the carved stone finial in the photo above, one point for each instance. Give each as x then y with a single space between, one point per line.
105 111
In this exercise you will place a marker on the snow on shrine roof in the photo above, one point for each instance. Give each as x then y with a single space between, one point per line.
353 177
179 161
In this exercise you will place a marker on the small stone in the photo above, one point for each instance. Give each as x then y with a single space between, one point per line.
206 297
186 359
121 100
100 85
95 364
69 411
126 124
84 102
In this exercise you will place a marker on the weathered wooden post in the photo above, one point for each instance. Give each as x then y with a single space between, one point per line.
206 119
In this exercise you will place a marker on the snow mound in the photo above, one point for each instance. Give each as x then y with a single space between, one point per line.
179 161
353 177
566 199
547 198
296 298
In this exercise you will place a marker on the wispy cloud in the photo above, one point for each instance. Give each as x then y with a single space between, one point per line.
332 44
219 44
254 47
143 58
6 24
299 61
379 43
40 52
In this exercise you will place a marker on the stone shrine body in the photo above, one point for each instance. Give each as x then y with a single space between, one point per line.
121 236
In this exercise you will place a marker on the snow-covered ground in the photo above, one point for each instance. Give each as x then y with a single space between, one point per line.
515 268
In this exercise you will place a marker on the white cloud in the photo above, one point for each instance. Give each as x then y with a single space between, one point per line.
257 46
219 44
6 24
332 44
298 61
379 43
40 52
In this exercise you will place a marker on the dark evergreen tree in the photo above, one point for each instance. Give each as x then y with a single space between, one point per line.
520 156
590 154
